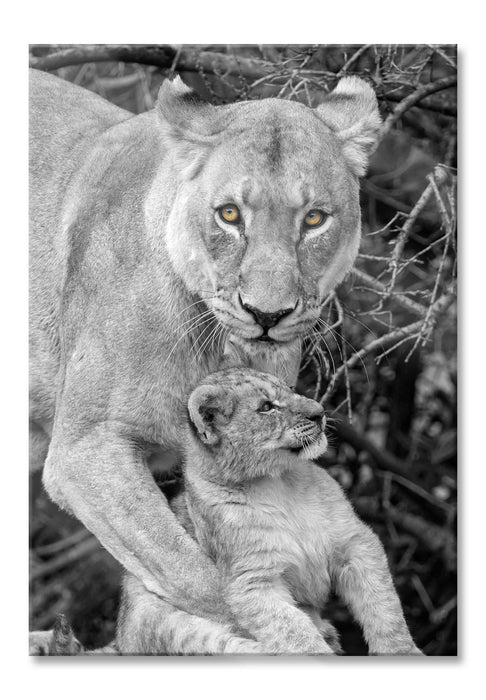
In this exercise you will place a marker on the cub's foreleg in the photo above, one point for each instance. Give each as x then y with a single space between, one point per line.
264 607
148 625
326 628
364 581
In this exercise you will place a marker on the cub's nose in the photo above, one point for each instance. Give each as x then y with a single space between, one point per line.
263 318
318 416
313 411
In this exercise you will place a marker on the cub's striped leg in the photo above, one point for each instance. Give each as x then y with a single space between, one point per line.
148 625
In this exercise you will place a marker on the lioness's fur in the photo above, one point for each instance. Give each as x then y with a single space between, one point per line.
279 529
137 284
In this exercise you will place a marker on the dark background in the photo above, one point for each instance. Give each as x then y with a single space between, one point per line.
384 361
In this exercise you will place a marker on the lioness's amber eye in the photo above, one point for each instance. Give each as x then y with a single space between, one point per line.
266 407
314 218
230 213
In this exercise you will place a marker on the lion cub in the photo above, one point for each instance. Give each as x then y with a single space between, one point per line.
279 528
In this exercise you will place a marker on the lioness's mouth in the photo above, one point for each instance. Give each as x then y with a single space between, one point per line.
265 338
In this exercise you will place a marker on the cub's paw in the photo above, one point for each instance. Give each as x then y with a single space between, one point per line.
414 651
408 650
331 635
307 647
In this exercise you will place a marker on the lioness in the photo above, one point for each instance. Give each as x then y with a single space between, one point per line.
156 241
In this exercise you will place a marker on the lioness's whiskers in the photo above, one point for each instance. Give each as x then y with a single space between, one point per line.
206 343
345 340
328 329
196 340
195 303
361 323
198 321
319 338
204 314
221 339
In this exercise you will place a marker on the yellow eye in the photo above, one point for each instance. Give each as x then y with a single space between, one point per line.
230 213
314 218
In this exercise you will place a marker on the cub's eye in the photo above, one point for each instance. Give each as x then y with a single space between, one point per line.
314 218
230 213
266 407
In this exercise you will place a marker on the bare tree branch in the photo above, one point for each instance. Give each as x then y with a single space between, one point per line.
162 56
389 338
411 100
83 549
436 539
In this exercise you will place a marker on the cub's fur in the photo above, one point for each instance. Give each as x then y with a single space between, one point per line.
278 527
137 281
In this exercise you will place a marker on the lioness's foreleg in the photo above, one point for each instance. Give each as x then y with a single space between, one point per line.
148 625
364 581
38 446
98 475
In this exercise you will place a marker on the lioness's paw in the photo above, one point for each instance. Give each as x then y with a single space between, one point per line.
40 643
243 646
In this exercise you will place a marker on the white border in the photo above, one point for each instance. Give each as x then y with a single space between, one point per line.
245 22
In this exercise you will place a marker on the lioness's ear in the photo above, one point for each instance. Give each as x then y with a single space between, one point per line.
189 124
210 406
351 111
186 116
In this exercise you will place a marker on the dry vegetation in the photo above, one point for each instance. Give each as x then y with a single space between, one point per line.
383 360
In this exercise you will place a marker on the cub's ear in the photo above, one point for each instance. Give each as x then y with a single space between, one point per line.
351 111
209 407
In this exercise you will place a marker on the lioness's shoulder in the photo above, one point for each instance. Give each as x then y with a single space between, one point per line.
52 98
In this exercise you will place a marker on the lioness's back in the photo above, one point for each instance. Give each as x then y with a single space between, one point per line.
64 123
61 113
64 120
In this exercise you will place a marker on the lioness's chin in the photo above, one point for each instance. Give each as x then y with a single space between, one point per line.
279 359
254 346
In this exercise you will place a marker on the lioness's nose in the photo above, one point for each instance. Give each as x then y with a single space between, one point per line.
265 319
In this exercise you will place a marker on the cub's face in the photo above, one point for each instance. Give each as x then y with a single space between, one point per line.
266 218
257 418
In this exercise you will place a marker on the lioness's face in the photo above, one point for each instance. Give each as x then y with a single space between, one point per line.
266 220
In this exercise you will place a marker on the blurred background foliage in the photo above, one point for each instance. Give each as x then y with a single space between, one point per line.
383 359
